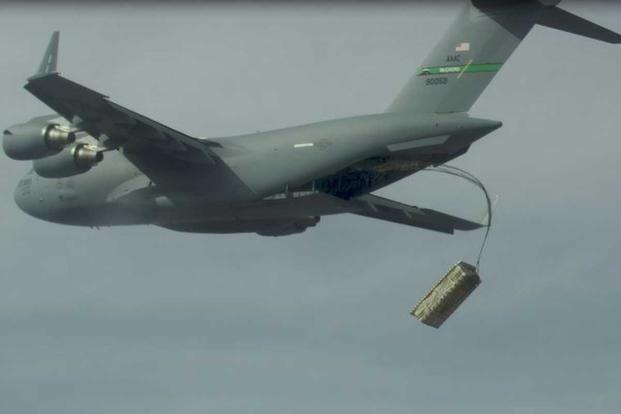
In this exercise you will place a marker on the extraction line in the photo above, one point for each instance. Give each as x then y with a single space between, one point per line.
458 172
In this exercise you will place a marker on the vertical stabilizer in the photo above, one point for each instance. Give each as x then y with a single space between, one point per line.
477 46
468 57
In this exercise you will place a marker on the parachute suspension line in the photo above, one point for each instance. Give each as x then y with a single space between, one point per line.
458 172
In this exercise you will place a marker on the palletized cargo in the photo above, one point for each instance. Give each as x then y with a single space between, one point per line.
446 296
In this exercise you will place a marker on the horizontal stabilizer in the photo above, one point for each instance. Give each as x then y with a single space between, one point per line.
560 19
395 212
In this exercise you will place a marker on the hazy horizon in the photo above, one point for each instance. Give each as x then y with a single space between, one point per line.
143 320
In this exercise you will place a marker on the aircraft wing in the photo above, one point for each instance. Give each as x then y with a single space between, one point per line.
388 210
110 123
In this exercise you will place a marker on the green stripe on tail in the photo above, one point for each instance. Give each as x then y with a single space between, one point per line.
468 68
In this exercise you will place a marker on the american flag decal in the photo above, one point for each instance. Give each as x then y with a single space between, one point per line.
463 47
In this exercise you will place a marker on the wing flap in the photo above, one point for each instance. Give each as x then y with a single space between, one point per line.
388 210
165 132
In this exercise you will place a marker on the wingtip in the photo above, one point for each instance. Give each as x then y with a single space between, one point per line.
49 63
612 38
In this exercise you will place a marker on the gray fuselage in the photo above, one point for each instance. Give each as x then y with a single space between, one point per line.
282 180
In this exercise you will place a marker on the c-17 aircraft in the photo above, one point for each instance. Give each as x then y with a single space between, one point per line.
97 163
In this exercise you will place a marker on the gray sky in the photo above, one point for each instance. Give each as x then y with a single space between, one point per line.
143 320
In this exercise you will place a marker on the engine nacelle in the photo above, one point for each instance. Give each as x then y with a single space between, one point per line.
37 138
74 160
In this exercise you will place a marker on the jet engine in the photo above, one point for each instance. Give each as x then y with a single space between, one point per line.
73 160
37 138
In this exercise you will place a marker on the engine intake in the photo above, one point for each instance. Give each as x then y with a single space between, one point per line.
35 139
73 160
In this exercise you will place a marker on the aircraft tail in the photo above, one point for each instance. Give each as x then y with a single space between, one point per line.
476 47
